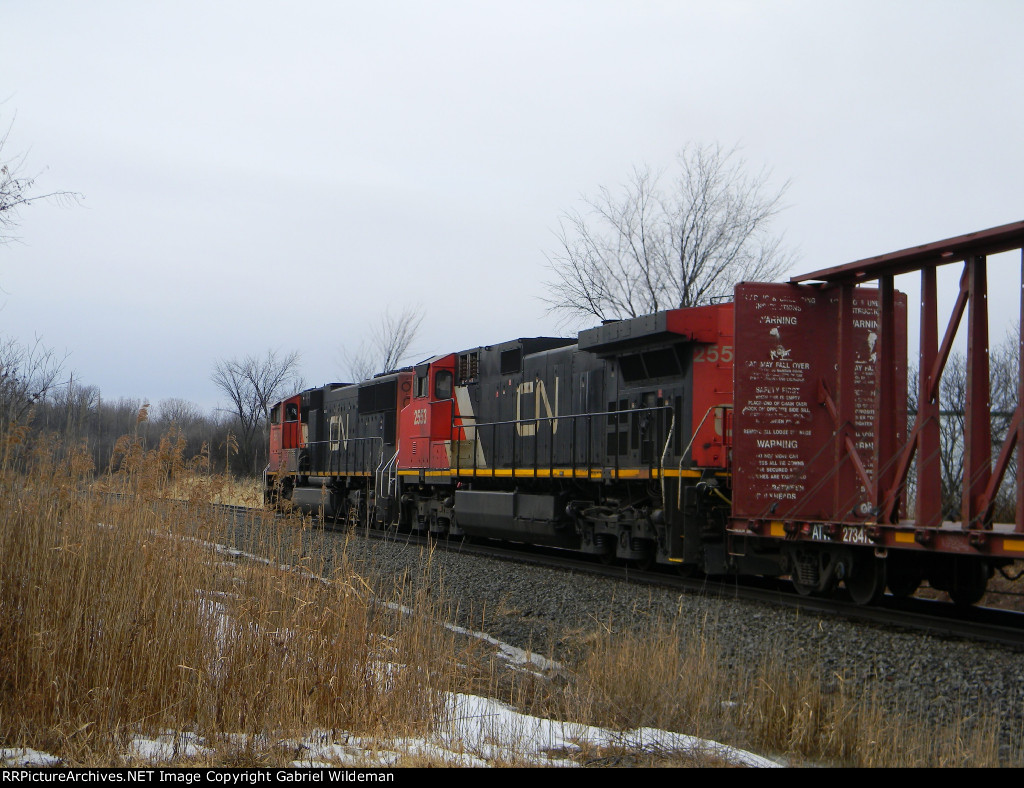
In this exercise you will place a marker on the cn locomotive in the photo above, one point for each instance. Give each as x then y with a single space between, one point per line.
759 436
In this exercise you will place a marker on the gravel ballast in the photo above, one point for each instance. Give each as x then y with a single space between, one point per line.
943 680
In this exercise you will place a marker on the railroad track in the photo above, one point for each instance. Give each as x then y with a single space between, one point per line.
937 618
943 619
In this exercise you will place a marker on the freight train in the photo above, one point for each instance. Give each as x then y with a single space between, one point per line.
756 436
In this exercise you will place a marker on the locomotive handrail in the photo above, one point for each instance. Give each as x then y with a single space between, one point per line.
383 468
664 454
693 437
349 459
572 418
560 416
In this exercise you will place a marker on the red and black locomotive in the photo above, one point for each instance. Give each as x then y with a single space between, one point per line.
761 436
574 443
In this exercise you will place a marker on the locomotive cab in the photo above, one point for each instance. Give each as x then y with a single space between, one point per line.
287 434
426 422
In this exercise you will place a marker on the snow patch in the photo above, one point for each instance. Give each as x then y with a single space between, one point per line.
25 756
168 747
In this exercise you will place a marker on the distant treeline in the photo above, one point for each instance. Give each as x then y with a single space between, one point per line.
39 397
80 416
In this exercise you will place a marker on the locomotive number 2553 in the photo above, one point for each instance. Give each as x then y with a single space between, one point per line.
713 353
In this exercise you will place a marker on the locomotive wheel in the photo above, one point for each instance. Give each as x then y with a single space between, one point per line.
866 585
689 570
649 560
607 545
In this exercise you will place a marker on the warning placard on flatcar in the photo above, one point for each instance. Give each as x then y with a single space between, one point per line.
805 400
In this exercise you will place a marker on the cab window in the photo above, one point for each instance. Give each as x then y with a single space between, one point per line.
421 386
443 384
291 411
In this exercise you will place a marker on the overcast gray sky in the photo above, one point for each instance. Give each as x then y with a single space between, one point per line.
266 174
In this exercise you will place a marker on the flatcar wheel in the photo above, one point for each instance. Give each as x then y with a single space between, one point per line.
866 584
903 582
803 589
970 583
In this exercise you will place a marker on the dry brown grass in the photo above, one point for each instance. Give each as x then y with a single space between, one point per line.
219 489
627 681
802 714
118 617
675 677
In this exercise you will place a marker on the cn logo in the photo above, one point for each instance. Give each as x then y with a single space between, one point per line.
540 400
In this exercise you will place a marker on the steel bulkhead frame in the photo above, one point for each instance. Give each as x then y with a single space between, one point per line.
981 479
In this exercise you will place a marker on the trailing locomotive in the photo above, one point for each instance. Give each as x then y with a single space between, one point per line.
760 437
615 443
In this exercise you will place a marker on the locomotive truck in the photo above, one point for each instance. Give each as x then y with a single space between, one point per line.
760 436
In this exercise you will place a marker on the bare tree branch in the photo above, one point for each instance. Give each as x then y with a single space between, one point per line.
28 372
386 345
641 249
16 190
174 410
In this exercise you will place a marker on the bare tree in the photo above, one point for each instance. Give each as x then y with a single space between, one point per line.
643 249
174 410
386 344
16 190
72 407
28 372
1004 363
252 385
